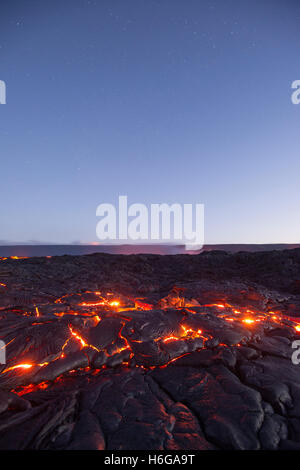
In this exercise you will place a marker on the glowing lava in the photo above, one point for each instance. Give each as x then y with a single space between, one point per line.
116 306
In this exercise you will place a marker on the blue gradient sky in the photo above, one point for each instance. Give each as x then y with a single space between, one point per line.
163 101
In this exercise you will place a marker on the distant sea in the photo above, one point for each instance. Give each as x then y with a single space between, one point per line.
59 250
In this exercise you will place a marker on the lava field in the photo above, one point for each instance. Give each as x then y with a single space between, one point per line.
182 352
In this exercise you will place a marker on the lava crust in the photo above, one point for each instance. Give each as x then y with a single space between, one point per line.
150 352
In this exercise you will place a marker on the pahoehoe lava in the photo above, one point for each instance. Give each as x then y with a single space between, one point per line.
150 352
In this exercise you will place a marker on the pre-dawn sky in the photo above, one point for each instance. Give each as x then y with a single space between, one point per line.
184 101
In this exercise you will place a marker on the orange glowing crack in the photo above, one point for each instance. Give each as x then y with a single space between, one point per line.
19 366
170 338
139 304
30 388
24 366
91 304
113 303
81 340
187 332
215 305
127 346
190 331
142 305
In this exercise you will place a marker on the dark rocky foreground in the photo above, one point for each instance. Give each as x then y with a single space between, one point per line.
150 352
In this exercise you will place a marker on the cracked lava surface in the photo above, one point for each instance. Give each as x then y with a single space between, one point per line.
150 352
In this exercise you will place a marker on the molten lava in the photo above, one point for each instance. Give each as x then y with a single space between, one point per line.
92 307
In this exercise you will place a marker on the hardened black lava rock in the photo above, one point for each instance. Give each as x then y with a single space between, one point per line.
150 352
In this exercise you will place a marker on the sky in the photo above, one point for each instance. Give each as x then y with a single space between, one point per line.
165 101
